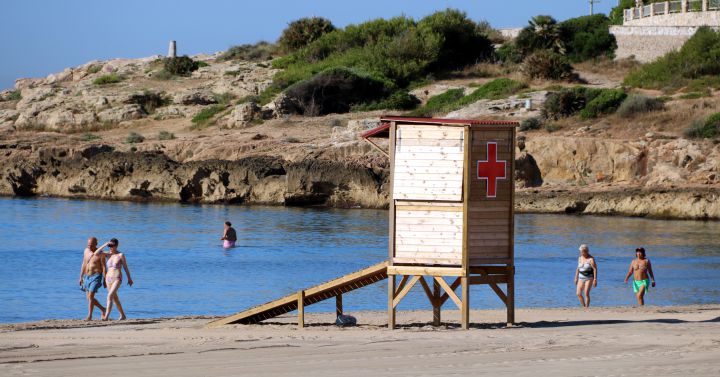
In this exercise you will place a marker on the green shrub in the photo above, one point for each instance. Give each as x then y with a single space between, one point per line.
302 32
698 58
509 53
396 52
89 137
134 137
335 90
696 95
638 104
605 103
162 75
587 37
207 114
95 68
224 98
495 89
180 65
148 100
257 52
579 38
550 127
710 128
165 135
436 104
399 100
569 101
616 14
542 33
454 99
13 95
463 40
110 78
548 65
534 123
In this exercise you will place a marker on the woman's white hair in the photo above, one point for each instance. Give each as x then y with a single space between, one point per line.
584 247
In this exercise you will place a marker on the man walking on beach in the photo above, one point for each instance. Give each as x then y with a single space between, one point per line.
92 276
642 273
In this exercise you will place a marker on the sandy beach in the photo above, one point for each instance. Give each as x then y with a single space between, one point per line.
650 341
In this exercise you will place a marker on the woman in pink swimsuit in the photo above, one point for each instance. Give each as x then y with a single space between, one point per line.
114 261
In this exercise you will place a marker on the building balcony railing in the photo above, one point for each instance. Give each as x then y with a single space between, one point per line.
668 7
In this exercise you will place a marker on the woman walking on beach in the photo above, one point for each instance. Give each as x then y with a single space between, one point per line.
585 275
640 268
114 261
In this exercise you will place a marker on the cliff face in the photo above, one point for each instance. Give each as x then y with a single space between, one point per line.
100 172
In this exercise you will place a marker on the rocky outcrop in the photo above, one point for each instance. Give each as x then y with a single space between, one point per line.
71 101
660 204
100 172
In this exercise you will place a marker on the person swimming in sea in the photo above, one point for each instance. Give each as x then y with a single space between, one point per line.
229 236
642 273
114 261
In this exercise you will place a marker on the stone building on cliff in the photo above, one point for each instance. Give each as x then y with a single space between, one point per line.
652 30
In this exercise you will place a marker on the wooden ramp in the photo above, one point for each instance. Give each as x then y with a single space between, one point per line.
324 291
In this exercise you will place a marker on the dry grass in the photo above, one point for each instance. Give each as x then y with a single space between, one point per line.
613 70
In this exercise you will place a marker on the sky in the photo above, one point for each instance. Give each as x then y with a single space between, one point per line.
39 37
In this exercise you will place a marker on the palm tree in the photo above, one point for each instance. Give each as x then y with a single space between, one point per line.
547 33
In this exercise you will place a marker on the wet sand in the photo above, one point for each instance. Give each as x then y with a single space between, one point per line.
650 341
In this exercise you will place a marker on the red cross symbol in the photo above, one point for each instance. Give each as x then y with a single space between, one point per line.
491 169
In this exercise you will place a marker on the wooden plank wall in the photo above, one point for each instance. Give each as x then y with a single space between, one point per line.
490 222
428 163
428 233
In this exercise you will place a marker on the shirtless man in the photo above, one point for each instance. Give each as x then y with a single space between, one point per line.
640 268
92 273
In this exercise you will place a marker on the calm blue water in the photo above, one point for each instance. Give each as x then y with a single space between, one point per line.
179 268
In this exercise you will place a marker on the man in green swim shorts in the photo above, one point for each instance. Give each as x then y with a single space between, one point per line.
640 269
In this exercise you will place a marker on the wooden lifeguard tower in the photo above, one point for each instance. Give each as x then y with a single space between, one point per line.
451 216
451 210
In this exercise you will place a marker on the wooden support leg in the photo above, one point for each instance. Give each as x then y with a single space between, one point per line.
436 303
301 309
511 297
391 298
465 310
338 305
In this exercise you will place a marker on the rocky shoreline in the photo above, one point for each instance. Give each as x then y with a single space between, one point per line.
102 172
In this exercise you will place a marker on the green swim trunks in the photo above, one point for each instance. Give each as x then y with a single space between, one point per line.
639 283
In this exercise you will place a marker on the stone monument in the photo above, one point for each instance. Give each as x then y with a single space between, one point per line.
172 50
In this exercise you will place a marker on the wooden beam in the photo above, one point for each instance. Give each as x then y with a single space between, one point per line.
510 300
488 279
465 309
377 147
427 290
391 297
421 270
301 309
446 296
437 305
449 291
493 270
466 200
338 305
405 290
400 286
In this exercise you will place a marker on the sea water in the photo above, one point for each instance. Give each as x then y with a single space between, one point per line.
179 267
